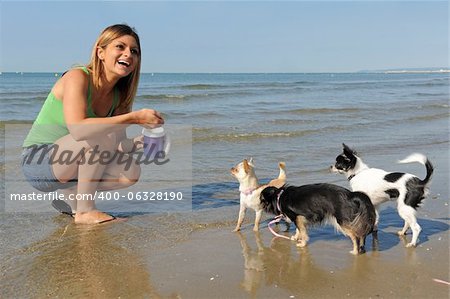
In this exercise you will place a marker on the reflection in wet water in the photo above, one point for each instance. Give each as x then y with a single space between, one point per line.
84 262
319 270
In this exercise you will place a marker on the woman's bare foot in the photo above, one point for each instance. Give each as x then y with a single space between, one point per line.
93 217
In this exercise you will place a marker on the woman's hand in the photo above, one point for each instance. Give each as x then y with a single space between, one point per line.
149 118
130 145
138 143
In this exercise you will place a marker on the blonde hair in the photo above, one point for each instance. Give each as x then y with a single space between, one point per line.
128 85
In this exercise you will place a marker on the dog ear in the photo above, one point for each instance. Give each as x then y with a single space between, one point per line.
348 151
250 162
246 166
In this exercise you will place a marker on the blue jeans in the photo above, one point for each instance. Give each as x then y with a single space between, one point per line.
38 171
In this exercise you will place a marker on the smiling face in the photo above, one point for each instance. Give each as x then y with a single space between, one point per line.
116 58
120 57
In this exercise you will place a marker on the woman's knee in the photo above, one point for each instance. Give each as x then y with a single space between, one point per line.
131 174
135 173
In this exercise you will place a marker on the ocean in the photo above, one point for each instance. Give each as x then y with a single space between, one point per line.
301 119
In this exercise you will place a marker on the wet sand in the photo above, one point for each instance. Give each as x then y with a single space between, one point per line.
174 256
254 265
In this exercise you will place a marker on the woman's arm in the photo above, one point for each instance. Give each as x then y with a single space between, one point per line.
128 145
75 106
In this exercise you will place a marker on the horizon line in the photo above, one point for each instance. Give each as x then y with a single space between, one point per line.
387 71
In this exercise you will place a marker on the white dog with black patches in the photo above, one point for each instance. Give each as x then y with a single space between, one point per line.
382 186
250 189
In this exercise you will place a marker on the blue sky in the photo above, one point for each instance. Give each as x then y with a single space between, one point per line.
233 36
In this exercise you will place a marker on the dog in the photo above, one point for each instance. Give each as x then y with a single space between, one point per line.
382 186
250 189
351 213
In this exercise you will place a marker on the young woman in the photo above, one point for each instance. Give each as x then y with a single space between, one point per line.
84 117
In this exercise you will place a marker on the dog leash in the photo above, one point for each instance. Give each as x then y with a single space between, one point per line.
277 219
278 201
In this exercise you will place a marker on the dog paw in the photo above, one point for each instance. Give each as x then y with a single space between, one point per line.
401 233
255 229
294 238
301 244
236 229
411 245
354 252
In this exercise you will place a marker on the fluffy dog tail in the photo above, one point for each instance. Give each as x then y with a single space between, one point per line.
422 159
364 222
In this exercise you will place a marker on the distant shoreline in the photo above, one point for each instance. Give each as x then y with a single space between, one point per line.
418 72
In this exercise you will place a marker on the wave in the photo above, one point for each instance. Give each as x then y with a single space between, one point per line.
439 106
429 84
162 97
380 84
321 110
270 84
357 85
277 85
201 135
284 121
429 94
408 145
306 83
252 136
428 117
24 93
8 99
202 129
202 86
234 137
15 122
211 114
423 105
185 97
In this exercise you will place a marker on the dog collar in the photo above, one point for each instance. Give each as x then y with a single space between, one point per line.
249 191
351 177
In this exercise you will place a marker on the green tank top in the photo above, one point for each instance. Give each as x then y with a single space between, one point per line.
50 125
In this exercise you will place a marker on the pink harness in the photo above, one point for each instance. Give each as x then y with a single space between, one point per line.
277 219
249 191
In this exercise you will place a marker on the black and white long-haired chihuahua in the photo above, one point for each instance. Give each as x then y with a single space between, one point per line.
351 213
382 186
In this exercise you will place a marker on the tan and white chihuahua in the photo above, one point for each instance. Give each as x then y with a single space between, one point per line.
250 189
